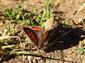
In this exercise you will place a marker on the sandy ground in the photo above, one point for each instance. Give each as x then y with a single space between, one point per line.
67 9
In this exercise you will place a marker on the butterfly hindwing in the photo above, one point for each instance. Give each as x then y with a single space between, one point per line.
32 35
44 38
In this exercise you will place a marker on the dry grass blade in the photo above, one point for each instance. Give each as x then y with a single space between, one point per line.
9 46
76 12
7 37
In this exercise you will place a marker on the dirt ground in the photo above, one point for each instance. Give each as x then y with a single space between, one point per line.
72 12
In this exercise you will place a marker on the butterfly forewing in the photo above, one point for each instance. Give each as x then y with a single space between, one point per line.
36 28
32 35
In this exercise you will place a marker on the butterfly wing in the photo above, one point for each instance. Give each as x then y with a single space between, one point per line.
36 28
32 35
31 32
49 23
44 38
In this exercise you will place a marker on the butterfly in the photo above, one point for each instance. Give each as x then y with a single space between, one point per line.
37 34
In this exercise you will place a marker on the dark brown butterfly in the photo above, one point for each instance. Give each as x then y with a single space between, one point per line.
37 35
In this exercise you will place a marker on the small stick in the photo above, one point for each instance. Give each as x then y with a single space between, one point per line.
41 56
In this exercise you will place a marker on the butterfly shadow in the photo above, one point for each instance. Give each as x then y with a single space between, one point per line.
61 38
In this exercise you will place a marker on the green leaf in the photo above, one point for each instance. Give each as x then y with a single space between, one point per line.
80 50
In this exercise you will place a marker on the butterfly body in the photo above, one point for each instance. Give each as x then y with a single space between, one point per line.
37 35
